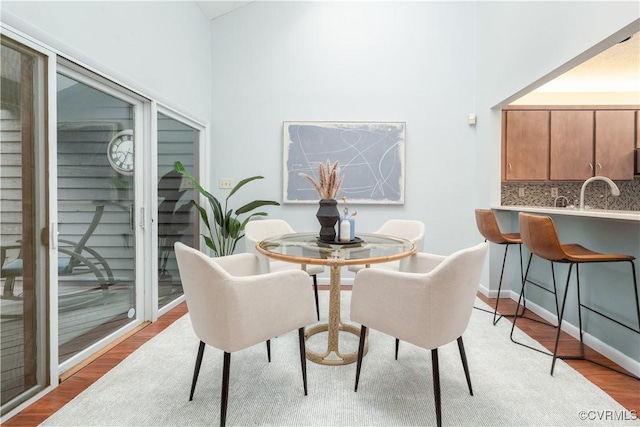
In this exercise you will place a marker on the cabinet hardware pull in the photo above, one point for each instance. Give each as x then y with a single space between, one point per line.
591 167
600 167
509 164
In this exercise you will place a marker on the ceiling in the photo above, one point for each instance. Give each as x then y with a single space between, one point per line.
214 8
617 69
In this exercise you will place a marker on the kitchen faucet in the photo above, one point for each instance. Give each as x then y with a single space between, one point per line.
555 201
615 191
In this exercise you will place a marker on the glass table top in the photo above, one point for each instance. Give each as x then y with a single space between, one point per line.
305 248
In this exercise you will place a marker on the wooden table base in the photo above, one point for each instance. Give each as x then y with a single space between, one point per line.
338 358
333 327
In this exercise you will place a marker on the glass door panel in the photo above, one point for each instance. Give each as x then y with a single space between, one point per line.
96 211
22 257
176 215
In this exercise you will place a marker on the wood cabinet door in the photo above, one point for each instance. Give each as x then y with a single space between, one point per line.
527 146
571 145
615 141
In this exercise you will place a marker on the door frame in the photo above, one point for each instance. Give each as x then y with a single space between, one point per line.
46 327
142 126
200 149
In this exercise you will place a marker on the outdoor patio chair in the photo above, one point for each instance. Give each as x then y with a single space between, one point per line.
74 258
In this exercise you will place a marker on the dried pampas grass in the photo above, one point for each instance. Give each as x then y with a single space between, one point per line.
329 180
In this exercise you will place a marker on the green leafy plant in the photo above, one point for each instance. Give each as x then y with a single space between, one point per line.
226 229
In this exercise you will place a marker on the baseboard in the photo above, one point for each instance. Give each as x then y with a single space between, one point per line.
489 293
606 350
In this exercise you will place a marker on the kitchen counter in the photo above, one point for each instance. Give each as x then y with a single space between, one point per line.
589 213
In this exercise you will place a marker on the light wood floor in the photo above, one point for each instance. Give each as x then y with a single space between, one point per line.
623 389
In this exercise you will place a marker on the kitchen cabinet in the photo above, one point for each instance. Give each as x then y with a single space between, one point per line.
614 143
571 145
526 144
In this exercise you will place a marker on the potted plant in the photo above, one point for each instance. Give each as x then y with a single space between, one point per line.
226 229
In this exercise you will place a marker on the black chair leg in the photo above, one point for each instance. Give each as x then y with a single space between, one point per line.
579 312
315 290
303 359
582 355
196 371
225 389
269 350
564 302
504 261
397 347
522 300
436 385
465 366
635 292
363 334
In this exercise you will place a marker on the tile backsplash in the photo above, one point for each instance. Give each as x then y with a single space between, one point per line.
597 194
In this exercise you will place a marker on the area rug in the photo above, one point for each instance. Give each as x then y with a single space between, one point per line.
511 384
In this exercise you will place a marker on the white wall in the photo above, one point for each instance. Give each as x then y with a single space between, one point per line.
159 48
426 63
358 61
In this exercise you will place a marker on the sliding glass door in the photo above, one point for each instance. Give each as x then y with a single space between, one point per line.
82 231
22 203
97 212
177 218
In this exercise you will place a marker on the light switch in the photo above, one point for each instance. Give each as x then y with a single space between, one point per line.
226 183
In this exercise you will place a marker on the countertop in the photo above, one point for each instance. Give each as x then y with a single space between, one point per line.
591 213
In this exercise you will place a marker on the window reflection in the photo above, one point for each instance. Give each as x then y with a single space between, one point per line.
176 142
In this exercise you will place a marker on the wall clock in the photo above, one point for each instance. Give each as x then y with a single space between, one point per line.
120 152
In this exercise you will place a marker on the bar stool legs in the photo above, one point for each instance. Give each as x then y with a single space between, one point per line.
504 260
580 307
522 298
541 238
490 230
497 316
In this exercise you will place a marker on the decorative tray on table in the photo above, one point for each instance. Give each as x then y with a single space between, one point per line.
355 242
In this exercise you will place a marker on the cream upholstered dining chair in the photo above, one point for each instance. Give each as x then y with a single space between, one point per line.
232 306
429 305
412 230
409 229
260 229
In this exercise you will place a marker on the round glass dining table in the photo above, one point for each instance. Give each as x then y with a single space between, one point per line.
306 248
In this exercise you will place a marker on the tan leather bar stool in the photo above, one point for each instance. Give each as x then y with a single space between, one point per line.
539 235
490 230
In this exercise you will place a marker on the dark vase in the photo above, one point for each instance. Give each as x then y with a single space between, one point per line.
327 216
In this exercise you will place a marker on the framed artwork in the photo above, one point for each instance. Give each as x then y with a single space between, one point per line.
370 155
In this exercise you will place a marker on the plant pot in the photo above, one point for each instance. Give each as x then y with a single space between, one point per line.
327 216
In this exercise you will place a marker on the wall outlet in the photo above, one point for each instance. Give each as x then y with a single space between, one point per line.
225 183
521 192
554 192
